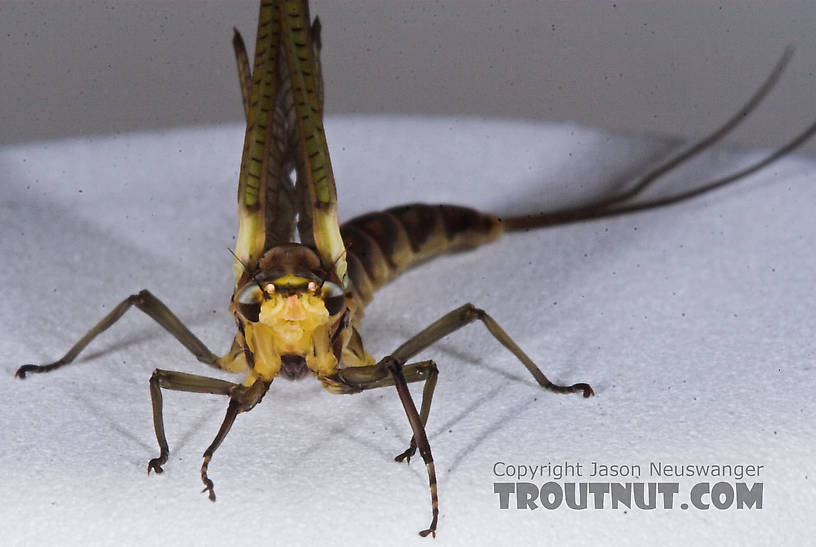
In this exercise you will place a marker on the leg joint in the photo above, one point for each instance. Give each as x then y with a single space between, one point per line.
141 297
160 377
391 363
472 312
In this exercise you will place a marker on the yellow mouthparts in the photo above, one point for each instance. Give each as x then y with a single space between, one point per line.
297 324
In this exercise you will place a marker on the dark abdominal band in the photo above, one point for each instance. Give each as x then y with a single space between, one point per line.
382 245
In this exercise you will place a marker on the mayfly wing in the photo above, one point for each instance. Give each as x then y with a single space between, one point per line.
318 224
259 146
267 200
284 113
244 70
282 198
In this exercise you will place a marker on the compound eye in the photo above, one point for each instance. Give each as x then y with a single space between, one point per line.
334 297
334 304
251 294
330 290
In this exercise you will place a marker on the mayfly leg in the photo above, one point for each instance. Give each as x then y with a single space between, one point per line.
373 377
177 381
451 322
394 367
464 315
242 399
392 370
156 310
425 370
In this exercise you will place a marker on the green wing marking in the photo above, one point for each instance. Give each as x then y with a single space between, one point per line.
258 139
285 133
314 171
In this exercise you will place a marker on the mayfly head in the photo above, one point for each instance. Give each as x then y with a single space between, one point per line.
293 313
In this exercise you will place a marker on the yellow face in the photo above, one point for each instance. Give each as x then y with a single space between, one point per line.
292 320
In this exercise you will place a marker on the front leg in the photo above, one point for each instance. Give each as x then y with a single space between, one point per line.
356 379
177 381
393 371
242 399
394 367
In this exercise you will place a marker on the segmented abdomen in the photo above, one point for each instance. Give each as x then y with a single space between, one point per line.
382 245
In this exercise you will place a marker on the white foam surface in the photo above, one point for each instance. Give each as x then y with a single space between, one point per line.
694 324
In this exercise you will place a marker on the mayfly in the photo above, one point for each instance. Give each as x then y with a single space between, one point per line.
302 280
